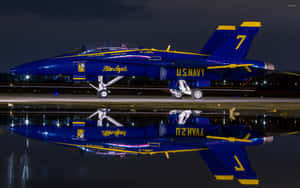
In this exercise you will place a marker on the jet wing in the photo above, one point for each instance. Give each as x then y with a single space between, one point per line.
150 147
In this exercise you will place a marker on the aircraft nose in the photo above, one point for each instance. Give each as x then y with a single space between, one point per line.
21 69
13 71
44 67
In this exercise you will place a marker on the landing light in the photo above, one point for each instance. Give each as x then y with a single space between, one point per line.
27 77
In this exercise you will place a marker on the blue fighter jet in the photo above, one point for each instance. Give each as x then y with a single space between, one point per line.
222 147
223 57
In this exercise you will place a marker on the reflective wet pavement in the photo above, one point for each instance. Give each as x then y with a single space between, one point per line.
146 148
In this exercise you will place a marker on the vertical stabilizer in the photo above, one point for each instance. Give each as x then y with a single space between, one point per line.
221 34
236 47
229 162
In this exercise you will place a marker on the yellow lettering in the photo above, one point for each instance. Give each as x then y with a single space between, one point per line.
240 166
198 72
202 133
190 72
183 133
117 133
242 37
116 69
194 72
178 73
184 72
177 131
202 70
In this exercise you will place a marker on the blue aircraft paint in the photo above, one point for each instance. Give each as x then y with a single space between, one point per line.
221 147
222 58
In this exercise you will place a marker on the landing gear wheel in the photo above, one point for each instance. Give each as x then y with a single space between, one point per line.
197 94
177 94
103 94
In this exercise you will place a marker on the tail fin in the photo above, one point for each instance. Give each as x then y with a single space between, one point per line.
237 46
227 162
222 33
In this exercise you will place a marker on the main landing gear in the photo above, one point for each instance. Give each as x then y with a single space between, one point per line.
102 90
183 88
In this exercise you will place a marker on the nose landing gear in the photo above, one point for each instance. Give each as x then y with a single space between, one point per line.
102 91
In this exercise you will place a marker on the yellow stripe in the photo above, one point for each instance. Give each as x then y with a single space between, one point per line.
226 27
230 139
78 122
167 155
249 181
179 52
251 24
175 151
135 50
231 66
224 177
291 73
136 152
79 78
248 69
247 136
293 133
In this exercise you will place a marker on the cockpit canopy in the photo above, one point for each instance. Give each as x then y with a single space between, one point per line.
106 47
110 47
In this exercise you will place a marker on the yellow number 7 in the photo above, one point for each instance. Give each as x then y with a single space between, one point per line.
242 37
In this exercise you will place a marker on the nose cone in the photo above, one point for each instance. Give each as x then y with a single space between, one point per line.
44 67
28 68
13 71
19 70
17 129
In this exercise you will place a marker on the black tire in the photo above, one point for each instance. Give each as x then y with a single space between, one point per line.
102 94
177 95
197 94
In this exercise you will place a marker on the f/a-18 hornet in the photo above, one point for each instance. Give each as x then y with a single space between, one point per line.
221 58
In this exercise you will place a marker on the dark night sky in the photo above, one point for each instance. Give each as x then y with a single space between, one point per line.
31 29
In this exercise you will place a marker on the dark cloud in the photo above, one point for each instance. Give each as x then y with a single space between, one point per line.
32 30
78 9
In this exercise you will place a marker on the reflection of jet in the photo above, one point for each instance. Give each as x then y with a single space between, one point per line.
221 147
222 58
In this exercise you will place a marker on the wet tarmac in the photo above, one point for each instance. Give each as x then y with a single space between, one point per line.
84 147
139 102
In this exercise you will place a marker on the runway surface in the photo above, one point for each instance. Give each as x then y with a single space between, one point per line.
33 98
128 102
